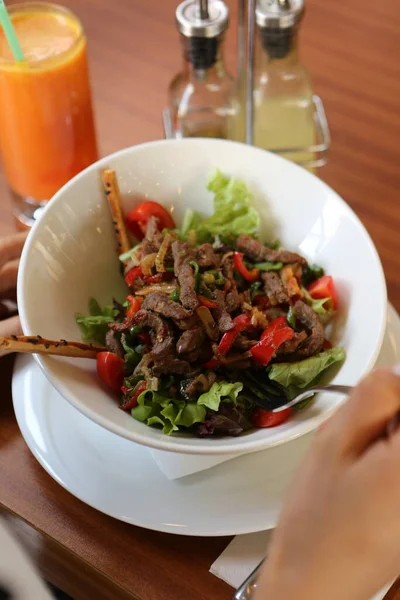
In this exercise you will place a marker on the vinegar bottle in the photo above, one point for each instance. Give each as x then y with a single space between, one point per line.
283 97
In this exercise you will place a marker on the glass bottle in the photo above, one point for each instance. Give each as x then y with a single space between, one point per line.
283 96
201 96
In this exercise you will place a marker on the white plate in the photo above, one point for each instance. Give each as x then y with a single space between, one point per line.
121 479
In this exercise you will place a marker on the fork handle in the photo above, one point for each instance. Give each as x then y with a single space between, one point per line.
249 586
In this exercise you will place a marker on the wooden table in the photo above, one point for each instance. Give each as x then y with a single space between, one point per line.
352 49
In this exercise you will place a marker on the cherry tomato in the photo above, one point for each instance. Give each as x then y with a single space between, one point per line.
138 218
267 418
110 369
324 287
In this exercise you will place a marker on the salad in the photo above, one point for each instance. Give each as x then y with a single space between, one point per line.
215 321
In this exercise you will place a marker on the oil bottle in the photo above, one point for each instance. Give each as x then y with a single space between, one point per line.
202 95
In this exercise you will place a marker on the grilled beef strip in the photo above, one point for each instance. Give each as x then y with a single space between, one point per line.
274 288
113 343
190 340
257 252
160 303
198 385
206 257
185 274
221 314
309 319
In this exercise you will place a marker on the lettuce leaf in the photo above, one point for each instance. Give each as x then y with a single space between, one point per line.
156 409
301 375
323 307
220 391
191 220
233 212
95 326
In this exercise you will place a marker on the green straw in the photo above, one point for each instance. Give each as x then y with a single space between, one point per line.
9 31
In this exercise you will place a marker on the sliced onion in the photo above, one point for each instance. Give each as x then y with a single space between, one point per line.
166 288
210 325
162 252
147 263
258 318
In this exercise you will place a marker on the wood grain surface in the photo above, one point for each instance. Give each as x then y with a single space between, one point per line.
352 50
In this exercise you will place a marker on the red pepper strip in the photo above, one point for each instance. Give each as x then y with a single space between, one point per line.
274 326
158 278
327 345
239 265
204 301
227 341
267 418
241 322
132 275
144 337
271 339
213 363
135 304
132 402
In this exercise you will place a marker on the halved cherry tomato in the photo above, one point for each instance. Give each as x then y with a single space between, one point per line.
267 418
132 402
204 301
135 304
110 369
239 265
324 287
138 218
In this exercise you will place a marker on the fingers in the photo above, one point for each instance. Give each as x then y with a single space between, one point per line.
364 417
8 277
11 247
10 326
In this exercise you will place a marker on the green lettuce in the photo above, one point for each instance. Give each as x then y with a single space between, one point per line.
323 306
220 391
299 376
156 409
95 325
233 213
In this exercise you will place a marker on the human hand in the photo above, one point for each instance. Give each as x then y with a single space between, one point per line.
339 531
10 251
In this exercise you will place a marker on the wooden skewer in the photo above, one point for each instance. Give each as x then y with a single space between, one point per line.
35 344
112 192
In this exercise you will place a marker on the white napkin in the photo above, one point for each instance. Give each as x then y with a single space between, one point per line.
175 465
242 556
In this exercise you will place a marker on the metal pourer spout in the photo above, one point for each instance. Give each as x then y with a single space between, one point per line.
203 9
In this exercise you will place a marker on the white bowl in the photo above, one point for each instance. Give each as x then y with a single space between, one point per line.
70 257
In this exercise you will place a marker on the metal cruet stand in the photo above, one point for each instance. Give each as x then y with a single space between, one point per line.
245 73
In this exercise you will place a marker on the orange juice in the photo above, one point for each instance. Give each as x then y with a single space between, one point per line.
47 132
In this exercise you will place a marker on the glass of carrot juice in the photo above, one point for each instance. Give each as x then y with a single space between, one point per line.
47 132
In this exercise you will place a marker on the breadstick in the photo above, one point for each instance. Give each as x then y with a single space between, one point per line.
35 344
111 189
